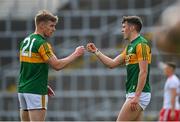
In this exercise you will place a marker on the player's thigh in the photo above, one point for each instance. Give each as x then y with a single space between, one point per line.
140 116
22 101
36 105
37 115
126 114
24 115
36 101
30 101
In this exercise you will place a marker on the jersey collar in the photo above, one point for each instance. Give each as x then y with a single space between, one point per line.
40 36
135 39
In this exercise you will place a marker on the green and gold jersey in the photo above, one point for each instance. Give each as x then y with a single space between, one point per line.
138 50
34 52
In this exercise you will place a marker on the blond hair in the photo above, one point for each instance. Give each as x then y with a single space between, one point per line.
45 16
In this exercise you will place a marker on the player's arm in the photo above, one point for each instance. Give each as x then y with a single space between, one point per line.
47 54
143 67
59 64
109 62
173 98
143 53
173 92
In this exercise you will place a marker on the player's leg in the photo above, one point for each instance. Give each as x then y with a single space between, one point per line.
37 114
179 115
126 114
162 115
37 105
139 118
176 116
24 115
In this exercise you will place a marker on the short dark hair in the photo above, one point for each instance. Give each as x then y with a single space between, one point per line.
171 64
135 20
44 16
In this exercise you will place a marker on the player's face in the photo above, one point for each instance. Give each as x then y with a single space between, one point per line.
168 70
49 28
126 30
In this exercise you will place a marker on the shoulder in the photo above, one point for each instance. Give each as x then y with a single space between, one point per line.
39 40
142 42
173 81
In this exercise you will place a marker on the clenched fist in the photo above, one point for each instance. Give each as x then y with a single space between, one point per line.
79 51
91 47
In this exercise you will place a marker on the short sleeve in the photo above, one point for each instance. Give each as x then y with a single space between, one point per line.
174 83
143 52
45 51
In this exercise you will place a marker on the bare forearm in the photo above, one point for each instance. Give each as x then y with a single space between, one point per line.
173 98
104 59
58 64
61 63
172 103
111 63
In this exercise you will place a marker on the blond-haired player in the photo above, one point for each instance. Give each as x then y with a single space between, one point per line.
35 55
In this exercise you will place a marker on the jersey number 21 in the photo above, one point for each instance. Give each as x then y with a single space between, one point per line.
27 44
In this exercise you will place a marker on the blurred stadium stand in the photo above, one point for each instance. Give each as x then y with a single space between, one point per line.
85 90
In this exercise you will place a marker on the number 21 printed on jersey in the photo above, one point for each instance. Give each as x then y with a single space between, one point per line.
27 44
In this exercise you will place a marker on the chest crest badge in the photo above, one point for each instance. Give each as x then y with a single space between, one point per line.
130 49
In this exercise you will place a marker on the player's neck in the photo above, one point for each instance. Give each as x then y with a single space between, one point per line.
170 75
39 32
133 36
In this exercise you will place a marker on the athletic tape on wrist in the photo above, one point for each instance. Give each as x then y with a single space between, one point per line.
97 52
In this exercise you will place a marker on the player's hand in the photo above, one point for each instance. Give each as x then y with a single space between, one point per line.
50 91
134 103
79 51
91 47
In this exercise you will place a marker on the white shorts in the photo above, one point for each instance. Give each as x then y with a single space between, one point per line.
144 100
30 101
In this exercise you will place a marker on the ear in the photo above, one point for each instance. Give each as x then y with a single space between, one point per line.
132 27
41 25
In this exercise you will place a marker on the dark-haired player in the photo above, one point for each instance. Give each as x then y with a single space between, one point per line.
137 58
